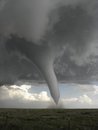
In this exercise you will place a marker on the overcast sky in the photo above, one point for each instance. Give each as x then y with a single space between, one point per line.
41 37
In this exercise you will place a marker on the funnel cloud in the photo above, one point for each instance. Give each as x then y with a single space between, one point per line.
35 33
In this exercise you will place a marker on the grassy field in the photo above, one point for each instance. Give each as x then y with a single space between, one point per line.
48 119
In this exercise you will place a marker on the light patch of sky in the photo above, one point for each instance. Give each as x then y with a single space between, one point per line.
72 96
66 90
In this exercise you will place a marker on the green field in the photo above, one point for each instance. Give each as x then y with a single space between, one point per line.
51 119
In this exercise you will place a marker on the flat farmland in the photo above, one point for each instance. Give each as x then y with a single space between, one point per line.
51 119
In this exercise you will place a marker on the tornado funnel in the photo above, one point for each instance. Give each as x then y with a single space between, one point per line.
47 70
42 56
44 61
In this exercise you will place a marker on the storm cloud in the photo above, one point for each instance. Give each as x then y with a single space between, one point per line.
34 33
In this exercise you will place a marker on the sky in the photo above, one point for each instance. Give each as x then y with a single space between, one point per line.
47 40
38 96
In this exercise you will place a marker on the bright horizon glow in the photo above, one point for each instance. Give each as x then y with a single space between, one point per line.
38 96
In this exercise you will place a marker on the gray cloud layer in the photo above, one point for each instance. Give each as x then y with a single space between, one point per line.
33 33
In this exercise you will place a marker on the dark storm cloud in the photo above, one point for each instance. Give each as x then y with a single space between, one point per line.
34 32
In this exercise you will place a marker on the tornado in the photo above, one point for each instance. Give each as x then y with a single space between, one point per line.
46 68
45 65
42 56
